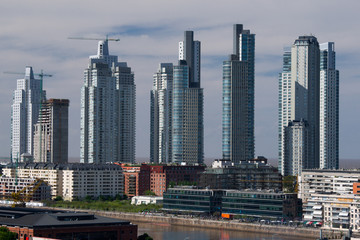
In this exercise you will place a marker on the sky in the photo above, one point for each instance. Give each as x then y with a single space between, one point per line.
35 33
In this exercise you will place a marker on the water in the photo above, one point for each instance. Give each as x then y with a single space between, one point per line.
163 231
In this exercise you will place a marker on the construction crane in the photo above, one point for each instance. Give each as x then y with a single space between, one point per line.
98 39
20 198
41 75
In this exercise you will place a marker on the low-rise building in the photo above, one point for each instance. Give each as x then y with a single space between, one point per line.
74 180
327 181
93 180
140 200
136 179
261 204
29 223
31 189
157 177
161 176
333 211
192 200
258 204
254 174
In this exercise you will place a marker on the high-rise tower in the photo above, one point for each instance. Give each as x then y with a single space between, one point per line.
107 110
299 103
25 109
161 115
51 132
329 108
187 105
238 98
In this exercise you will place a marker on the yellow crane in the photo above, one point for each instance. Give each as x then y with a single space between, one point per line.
21 197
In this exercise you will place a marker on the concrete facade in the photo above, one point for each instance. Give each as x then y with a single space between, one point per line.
74 181
327 181
52 132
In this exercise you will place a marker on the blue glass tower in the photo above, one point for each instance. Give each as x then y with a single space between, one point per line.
238 98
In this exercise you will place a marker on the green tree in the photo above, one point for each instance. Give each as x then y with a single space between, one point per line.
58 198
290 184
149 193
145 236
5 234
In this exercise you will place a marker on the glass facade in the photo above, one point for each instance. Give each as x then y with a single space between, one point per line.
238 98
261 204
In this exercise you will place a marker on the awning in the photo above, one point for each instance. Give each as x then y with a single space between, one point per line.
308 217
317 207
345 214
317 212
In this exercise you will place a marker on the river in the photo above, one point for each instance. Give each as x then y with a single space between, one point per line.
165 231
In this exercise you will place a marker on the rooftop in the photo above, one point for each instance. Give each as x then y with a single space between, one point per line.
40 218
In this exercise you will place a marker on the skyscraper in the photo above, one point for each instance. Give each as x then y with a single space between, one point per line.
25 113
238 98
299 102
187 107
161 115
52 132
107 110
329 108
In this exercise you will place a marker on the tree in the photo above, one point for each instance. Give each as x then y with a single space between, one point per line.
145 236
5 234
58 198
149 193
290 184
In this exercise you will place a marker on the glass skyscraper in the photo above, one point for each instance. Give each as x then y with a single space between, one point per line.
187 105
329 108
238 98
161 115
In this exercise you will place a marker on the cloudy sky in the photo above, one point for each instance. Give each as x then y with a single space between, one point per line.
35 33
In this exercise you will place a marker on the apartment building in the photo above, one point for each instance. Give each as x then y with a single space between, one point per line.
327 181
333 211
73 181
33 189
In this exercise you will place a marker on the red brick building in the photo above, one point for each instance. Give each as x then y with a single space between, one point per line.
136 179
29 223
157 178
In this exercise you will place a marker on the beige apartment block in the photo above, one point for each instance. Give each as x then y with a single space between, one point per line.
73 181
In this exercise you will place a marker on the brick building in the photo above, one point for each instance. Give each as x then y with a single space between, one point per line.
156 178
28 223
136 179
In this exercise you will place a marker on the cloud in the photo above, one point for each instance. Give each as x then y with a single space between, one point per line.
35 33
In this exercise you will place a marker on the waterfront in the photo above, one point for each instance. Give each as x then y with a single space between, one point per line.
164 231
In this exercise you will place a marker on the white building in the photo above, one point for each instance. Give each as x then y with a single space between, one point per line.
327 181
80 181
161 115
107 110
73 181
329 108
139 200
296 147
334 211
33 188
24 113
